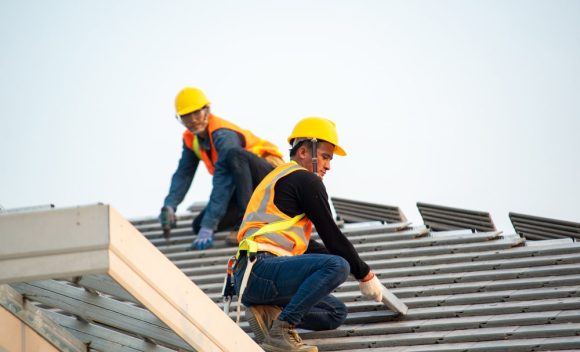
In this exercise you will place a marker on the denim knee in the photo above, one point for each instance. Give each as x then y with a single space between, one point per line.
337 317
340 267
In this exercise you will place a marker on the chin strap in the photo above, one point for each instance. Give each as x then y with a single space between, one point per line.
314 156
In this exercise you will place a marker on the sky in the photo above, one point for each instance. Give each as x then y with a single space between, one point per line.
470 104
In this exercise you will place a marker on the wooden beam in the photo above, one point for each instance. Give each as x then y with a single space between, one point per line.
37 320
53 243
66 243
159 285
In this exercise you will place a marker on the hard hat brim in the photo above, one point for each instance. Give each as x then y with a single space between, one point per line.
339 151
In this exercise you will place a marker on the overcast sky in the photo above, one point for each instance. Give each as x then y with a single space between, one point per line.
472 104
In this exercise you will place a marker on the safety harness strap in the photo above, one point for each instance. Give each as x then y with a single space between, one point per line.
251 247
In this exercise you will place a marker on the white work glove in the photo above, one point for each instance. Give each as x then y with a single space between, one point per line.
372 289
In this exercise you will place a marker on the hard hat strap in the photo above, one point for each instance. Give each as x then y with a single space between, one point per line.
314 156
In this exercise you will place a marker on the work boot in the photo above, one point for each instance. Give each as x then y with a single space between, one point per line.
260 319
232 238
284 338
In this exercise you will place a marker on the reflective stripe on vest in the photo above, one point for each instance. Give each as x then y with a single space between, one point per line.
195 148
265 228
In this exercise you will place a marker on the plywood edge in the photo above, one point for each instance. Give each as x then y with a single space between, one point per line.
54 266
56 230
54 243
157 283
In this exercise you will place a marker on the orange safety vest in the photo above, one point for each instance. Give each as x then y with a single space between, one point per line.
250 142
286 236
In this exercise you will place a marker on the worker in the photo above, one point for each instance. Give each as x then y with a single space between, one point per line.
237 159
292 275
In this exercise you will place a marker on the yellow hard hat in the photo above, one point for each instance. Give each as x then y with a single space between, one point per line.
189 100
319 128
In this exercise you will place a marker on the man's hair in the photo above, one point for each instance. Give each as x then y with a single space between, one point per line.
307 143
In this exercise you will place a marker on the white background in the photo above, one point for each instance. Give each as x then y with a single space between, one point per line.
472 104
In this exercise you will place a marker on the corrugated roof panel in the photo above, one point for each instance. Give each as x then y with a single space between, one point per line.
465 291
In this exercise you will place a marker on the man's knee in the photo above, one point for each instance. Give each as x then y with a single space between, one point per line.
340 267
235 156
338 316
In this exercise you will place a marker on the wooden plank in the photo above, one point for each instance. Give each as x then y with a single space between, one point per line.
53 243
54 265
37 320
53 231
130 259
161 287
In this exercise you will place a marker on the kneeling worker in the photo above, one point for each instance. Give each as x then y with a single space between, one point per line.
292 277
237 159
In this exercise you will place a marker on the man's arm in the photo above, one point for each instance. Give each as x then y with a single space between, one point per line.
317 209
182 178
223 183
304 192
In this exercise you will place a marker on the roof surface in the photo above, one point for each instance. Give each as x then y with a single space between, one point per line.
466 291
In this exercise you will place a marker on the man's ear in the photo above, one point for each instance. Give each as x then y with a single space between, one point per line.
302 152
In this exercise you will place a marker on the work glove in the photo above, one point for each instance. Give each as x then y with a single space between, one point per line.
168 221
204 239
372 288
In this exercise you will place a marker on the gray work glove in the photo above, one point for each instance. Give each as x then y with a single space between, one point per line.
168 221
372 289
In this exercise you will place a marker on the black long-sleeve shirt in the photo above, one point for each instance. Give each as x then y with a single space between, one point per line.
303 192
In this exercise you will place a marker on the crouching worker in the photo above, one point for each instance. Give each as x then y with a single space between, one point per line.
237 159
292 277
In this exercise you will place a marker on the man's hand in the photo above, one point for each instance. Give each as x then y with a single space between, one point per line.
204 239
371 287
168 221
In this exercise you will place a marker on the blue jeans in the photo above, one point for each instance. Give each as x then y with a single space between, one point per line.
301 285
248 170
